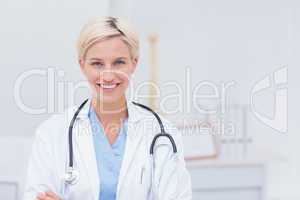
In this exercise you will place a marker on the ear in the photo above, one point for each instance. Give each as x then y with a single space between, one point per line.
81 64
134 62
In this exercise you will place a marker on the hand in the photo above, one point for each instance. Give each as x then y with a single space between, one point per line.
47 196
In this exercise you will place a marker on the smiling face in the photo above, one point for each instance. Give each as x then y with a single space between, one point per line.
108 66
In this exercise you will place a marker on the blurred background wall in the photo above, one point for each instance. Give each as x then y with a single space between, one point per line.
218 41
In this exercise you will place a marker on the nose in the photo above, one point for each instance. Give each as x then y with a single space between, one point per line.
108 75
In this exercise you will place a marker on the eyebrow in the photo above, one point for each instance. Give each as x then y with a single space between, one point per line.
99 59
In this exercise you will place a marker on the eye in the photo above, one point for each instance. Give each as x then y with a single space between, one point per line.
97 64
120 62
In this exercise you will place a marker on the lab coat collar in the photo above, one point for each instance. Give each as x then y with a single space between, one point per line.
134 113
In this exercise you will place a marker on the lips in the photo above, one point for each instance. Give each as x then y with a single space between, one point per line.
108 86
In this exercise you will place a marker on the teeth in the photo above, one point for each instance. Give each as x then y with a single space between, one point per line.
108 86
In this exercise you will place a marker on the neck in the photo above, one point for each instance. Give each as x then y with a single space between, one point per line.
110 111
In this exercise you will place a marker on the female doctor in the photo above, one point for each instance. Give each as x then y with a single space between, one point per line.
111 136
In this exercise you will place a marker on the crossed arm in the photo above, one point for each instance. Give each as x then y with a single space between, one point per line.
47 196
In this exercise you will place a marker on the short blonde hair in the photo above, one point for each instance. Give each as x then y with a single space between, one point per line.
102 28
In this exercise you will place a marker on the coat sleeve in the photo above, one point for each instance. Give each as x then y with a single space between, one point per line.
174 181
41 175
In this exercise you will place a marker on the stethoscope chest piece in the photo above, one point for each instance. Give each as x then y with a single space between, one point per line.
71 176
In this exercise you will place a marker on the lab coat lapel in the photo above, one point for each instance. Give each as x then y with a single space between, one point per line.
84 140
134 137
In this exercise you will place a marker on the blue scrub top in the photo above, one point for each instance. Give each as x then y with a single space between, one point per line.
109 157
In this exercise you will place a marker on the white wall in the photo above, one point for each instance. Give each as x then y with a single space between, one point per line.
35 35
14 164
38 35
240 41
220 41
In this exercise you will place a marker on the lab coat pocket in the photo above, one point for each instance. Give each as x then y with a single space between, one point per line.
143 183
137 187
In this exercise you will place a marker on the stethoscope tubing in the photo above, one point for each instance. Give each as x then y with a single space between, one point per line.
71 169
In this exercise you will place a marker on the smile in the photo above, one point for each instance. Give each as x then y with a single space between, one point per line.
108 86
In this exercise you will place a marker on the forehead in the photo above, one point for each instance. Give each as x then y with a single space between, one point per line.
108 49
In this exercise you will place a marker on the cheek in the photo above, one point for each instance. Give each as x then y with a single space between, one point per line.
92 79
125 77
93 76
89 74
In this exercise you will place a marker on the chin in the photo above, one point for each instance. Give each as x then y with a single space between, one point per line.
108 98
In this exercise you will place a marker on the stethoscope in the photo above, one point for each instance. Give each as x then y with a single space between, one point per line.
72 174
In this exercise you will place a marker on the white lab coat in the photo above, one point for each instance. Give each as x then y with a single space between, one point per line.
49 160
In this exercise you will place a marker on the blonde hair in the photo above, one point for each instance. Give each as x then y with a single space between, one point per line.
102 28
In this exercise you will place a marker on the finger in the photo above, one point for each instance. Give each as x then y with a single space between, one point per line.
50 198
41 196
52 195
